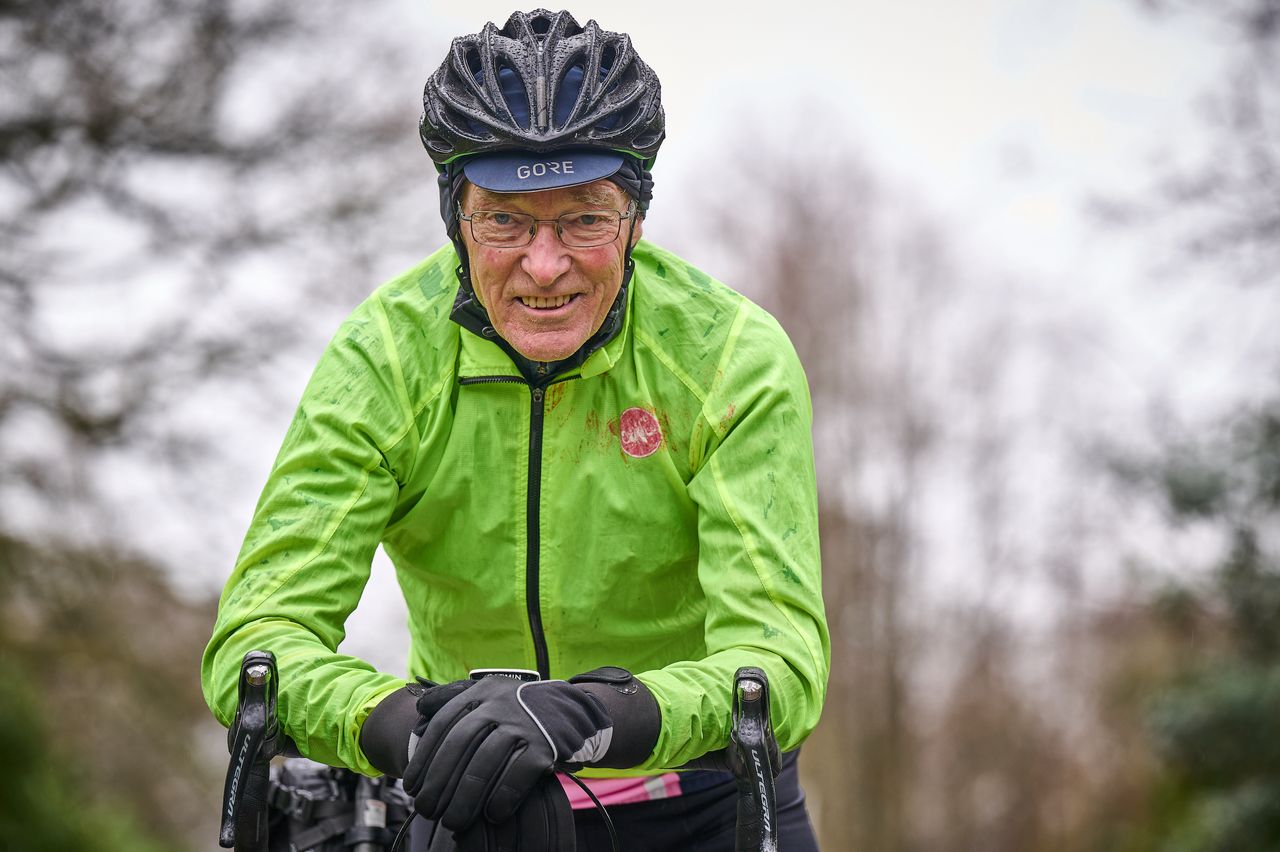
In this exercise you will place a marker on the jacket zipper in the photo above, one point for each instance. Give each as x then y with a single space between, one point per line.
490 380
537 406
533 520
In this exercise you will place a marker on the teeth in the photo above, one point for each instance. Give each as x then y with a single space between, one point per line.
545 301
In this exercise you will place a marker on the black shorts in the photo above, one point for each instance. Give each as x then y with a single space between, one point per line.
702 821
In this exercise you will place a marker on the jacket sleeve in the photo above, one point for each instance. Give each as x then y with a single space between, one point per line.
759 560
307 554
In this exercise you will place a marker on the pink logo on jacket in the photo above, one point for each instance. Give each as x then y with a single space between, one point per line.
640 433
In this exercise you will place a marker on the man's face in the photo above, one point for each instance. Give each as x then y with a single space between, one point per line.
547 299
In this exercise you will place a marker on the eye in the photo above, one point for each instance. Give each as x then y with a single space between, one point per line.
501 218
587 219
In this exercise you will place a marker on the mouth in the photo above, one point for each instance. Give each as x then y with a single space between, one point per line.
547 303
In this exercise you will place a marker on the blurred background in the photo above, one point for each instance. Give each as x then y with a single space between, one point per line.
1027 251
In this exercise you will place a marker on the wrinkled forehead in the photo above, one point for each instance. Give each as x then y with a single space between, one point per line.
603 193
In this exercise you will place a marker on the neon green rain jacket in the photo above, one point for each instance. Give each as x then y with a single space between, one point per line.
653 509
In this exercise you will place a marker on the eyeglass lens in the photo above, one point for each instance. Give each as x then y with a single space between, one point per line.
510 230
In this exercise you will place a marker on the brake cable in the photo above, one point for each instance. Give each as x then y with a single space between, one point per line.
608 823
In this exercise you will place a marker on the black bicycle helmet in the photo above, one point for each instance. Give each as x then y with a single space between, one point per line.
542 83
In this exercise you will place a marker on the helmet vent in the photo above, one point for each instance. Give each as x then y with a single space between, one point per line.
606 59
460 121
473 64
513 92
626 80
651 139
619 119
540 25
569 91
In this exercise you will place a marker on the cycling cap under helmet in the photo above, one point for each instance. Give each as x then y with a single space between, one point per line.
509 105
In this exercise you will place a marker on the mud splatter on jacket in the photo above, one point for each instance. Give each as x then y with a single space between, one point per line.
654 508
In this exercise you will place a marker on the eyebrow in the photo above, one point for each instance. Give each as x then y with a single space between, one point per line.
595 196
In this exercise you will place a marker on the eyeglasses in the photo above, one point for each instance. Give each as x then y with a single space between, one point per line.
581 229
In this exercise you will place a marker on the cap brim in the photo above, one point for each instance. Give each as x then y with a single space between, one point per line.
520 171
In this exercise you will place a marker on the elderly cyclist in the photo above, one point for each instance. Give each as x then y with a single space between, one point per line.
585 458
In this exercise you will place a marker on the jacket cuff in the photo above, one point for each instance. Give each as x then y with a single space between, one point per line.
384 737
633 710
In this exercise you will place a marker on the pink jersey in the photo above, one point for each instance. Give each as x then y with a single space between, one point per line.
621 791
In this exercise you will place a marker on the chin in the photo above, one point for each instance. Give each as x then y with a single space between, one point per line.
539 353
547 346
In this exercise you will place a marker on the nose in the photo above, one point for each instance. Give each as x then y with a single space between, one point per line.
546 258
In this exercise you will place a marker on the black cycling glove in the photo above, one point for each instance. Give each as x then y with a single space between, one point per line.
386 738
487 749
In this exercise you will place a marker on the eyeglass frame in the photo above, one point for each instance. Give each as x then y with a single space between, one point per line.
632 209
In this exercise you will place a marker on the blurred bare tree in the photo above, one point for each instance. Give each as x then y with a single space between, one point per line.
103 745
859 294
177 179
938 734
1188 671
1222 202
1193 670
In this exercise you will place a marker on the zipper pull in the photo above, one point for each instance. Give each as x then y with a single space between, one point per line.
537 394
